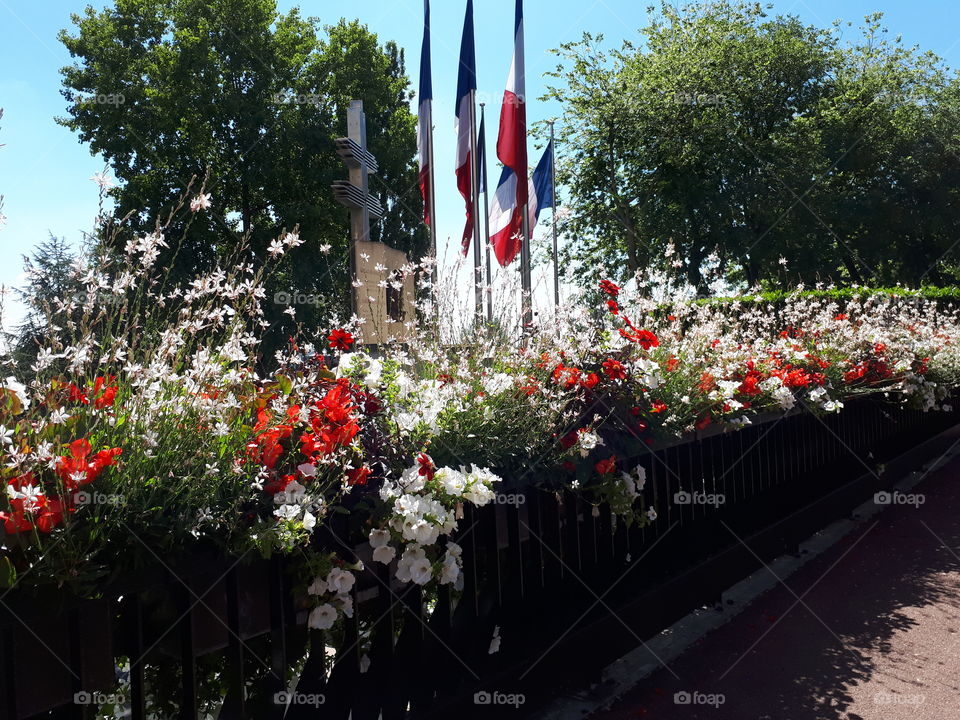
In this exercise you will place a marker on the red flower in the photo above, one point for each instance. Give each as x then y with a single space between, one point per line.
358 476
569 440
707 383
750 384
278 484
840 316
613 307
46 513
568 377
609 288
614 369
427 468
658 407
644 338
340 340
672 363
605 467
77 395
590 381
703 422
796 379
104 392
15 522
77 470
569 466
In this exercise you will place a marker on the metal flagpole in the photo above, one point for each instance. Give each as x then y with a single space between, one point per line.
432 190
526 301
475 199
488 288
553 204
431 183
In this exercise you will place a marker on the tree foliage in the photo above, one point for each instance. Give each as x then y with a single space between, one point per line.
761 148
230 90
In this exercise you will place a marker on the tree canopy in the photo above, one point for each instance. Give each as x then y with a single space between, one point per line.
761 148
169 90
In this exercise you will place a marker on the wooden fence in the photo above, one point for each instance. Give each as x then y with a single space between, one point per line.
566 588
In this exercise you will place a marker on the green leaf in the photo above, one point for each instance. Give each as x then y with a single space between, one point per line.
8 573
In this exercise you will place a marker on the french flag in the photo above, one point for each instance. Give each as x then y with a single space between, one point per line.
506 221
541 186
466 86
425 124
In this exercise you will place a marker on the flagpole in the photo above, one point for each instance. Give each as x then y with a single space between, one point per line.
553 204
475 199
526 301
486 217
432 187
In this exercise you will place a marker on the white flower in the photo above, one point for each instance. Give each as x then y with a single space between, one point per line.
287 512
292 494
309 521
18 389
276 248
379 538
588 441
453 481
495 641
104 182
340 581
346 604
651 514
200 202
449 571
414 566
322 617
318 587
384 554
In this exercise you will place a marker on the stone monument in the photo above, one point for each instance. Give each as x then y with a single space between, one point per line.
382 288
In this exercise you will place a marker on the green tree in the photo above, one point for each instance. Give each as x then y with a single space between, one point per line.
50 282
759 147
230 90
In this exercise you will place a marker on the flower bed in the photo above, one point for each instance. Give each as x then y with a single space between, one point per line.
145 420
146 428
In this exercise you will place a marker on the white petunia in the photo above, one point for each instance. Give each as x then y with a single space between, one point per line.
322 617
340 581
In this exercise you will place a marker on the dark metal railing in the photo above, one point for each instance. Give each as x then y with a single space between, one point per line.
569 589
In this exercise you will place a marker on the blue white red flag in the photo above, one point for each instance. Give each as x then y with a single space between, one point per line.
466 85
506 222
541 190
425 116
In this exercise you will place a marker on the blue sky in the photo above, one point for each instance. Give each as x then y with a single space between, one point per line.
45 171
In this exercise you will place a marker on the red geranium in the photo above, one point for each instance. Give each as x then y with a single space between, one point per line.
427 467
590 381
358 476
609 288
104 392
605 467
79 469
